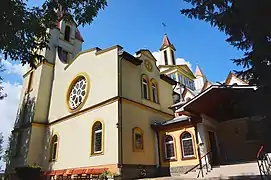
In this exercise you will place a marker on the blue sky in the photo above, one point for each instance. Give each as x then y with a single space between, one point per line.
137 24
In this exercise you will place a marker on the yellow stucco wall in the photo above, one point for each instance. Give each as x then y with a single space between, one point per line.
102 72
36 145
75 139
176 133
45 79
134 116
132 89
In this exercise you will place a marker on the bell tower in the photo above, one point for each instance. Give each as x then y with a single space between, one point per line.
167 51
28 135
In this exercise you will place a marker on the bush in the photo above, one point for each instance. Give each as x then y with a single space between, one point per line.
28 172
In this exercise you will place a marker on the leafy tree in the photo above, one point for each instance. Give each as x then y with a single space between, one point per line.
246 23
23 29
2 94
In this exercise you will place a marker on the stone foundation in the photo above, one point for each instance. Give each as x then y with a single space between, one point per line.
176 171
129 171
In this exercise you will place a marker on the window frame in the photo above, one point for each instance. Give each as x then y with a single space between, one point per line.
180 78
147 83
165 148
173 76
93 134
69 36
52 145
135 131
173 57
30 82
155 84
165 57
186 157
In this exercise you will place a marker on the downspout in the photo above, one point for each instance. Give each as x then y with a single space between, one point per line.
120 163
198 148
157 149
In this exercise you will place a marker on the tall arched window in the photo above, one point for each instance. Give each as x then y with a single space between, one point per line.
145 87
187 145
67 33
169 147
97 138
154 89
54 148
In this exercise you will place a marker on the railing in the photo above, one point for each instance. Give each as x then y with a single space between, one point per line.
208 161
264 163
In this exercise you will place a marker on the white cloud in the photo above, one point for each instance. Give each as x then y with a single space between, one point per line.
16 69
8 108
183 61
179 61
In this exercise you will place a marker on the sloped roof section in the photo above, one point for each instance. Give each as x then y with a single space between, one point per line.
166 43
198 72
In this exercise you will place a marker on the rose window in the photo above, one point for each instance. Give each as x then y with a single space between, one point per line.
78 93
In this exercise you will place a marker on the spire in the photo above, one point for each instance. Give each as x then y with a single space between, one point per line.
166 43
198 72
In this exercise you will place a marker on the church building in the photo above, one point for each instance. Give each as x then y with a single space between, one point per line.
83 113
90 110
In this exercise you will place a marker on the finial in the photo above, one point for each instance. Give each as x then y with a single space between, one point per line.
164 28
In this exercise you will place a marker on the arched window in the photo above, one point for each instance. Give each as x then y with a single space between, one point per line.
54 148
137 139
97 138
154 89
145 87
187 145
67 33
169 147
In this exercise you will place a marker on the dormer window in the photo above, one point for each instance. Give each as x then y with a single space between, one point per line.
67 33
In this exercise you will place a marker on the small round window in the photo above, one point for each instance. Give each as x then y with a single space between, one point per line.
77 93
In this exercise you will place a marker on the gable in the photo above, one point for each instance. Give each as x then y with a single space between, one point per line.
233 79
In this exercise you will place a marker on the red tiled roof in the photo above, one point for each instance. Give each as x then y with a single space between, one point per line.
51 173
66 172
59 172
77 171
78 35
166 42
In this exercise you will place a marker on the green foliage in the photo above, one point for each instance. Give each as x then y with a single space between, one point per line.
28 173
23 29
246 23
2 95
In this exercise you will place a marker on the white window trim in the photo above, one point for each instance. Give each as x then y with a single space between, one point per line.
185 139
165 144
155 94
145 84
96 132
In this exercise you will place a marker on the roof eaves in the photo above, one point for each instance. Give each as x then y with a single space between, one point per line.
168 79
130 58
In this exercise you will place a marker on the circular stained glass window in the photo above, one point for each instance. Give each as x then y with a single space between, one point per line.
77 93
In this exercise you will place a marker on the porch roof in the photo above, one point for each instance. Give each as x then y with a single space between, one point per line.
184 120
222 102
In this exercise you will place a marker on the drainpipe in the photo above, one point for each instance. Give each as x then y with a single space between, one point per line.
157 149
198 148
120 114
